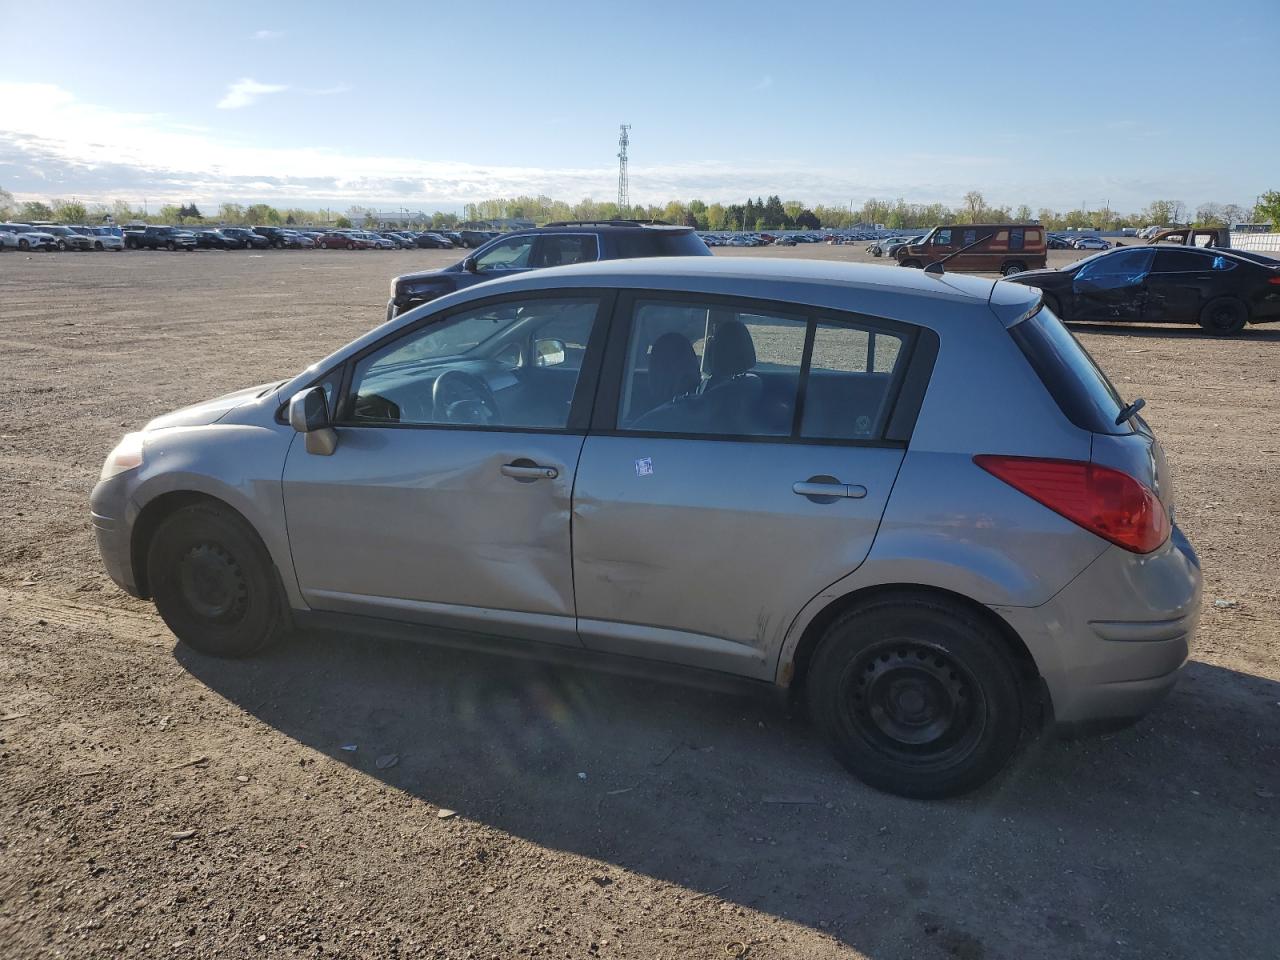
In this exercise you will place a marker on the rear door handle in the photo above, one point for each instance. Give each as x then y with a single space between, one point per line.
828 490
528 470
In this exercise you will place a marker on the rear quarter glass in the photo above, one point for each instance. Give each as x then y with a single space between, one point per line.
1072 377
657 243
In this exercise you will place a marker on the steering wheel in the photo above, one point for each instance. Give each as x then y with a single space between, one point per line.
461 397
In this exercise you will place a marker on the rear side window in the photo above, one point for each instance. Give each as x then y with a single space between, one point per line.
1017 238
657 243
1180 261
1072 377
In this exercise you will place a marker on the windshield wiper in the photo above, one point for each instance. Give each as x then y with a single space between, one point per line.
1128 412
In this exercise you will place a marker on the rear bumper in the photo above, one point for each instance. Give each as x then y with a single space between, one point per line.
1111 645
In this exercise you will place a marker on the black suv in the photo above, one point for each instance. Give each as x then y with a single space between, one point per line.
278 237
247 238
153 238
555 245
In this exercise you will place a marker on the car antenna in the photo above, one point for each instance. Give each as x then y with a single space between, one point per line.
937 269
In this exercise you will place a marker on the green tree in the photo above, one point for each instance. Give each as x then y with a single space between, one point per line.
342 223
1163 212
72 211
807 220
232 213
716 217
261 214
1267 209
35 210
1023 214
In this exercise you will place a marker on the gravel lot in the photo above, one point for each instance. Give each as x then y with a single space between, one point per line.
155 803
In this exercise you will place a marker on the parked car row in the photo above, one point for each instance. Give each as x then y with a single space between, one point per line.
42 236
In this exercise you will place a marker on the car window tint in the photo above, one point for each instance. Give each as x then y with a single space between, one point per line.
711 369
851 375
1017 239
512 254
628 244
488 367
1180 261
558 250
942 238
970 236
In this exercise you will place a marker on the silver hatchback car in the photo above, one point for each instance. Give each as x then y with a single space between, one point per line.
913 497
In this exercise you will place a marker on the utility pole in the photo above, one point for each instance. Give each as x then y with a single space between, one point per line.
624 186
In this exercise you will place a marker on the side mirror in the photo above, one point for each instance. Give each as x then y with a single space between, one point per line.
470 266
548 353
309 415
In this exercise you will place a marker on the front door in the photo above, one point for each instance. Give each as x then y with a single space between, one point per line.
1111 286
504 257
737 466
1179 281
447 500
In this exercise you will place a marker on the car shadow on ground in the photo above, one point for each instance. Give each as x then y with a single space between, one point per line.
1269 333
1145 843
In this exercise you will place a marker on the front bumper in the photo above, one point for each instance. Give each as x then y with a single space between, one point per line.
1111 644
112 516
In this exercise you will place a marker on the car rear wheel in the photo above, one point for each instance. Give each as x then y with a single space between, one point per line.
214 583
62 246
97 245
1009 269
350 246
171 246
324 244
1224 316
916 695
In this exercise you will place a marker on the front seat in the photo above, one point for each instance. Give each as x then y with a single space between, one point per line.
731 394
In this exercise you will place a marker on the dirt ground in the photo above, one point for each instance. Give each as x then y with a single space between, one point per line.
156 803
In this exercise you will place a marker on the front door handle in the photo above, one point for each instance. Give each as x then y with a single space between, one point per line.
528 470
828 489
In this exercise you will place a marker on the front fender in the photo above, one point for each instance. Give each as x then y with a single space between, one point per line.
239 464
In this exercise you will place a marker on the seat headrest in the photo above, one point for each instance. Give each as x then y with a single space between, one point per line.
673 367
731 350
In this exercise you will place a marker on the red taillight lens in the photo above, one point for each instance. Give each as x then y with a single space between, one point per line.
1105 502
1275 279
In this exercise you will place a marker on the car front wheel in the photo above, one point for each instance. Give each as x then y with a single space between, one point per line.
916 695
213 582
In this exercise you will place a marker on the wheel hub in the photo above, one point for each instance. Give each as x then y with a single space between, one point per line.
212 584
910 696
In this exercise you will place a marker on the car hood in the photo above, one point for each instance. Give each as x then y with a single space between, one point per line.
209 411
420 275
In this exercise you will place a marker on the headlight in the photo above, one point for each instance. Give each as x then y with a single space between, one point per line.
126 456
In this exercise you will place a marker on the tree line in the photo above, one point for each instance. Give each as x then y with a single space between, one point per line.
768 213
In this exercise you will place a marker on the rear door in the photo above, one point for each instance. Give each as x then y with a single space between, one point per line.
739 463
1180 283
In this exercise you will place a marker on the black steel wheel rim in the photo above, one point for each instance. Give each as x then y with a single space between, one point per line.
914 702
1224 316
212 583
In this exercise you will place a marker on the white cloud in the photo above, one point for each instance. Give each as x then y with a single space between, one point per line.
52 144
246 91
266 35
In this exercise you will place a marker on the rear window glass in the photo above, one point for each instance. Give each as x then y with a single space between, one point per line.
657 243
1072 377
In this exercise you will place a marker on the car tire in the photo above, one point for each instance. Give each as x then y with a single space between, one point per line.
24 245
62 246
916 695
1054 304
1223 316
350 245
214 583
915 264
171 246
97 246
1009 269
324 244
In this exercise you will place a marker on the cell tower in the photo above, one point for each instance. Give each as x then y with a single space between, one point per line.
624 186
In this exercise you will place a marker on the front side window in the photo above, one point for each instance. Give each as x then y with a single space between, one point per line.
942 238
1129 264
509 254
510 364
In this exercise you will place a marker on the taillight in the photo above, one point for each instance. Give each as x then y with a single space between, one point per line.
1275 279
1104 501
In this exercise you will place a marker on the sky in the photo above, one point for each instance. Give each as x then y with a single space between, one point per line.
431 105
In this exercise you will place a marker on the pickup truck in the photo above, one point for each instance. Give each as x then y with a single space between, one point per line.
153 238
1195 236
